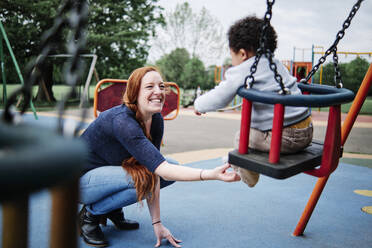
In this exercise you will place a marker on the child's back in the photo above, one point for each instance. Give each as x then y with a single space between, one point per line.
244 41
262 114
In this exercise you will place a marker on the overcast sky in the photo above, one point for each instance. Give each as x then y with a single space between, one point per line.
299 23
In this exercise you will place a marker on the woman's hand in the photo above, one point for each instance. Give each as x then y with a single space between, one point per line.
222 174
161 232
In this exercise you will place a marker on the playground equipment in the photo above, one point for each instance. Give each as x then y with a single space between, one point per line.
4 37
284 166
298 69
301 69
218 74
34 157
327 155
92 70
112 95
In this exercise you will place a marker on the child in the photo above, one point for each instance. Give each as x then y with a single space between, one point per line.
244 38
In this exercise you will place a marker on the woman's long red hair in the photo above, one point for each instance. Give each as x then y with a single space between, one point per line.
144 180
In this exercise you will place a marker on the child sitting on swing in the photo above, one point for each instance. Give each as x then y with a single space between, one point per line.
244 38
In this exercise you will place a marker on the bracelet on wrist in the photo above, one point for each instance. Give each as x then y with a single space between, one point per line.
156 222
200 175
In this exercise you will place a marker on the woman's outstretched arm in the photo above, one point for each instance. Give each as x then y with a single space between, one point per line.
171 172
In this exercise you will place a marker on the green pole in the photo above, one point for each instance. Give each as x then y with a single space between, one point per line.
2 62
15 64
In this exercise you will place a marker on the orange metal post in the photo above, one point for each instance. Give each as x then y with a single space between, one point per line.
357 105
98 86
313 200
15 223
345 130
64 208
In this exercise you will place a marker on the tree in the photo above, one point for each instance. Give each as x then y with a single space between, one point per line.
355 71
24 23
173 64
194 74
118 31
188 73
199 33
352 74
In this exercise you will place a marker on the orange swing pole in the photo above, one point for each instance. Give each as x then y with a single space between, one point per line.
357 105
345 130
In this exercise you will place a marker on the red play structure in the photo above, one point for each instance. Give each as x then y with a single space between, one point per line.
109 93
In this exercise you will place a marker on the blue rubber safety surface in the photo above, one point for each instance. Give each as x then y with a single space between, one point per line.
218 214
49 121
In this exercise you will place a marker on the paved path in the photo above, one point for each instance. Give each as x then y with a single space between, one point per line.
190 138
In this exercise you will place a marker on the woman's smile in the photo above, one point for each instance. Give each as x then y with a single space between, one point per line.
151 96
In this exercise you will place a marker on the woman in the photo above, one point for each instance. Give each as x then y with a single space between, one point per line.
125 165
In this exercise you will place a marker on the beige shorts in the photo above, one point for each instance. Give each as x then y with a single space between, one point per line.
293 139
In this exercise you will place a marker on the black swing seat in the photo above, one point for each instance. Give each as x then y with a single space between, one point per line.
311 157
289 164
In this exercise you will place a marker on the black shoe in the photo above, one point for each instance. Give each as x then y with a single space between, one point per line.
117 217
90 230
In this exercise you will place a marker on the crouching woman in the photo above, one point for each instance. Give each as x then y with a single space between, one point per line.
125 165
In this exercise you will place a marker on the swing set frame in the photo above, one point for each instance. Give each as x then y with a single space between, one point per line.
336 134
345 130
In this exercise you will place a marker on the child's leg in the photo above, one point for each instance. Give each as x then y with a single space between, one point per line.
257 140
293 140
249 177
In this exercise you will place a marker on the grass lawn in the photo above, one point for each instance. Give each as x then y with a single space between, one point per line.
58 90
366 108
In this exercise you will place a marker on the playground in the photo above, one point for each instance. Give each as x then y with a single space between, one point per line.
318 196
214 214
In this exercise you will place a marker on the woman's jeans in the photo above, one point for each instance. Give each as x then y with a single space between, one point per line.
107 188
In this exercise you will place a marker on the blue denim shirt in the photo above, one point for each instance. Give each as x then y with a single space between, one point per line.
116 135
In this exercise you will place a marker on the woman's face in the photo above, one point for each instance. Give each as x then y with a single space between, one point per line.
152 94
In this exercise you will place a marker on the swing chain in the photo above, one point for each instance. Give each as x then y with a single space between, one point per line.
262 50
337 77
249 80
333 49
74 67
76 20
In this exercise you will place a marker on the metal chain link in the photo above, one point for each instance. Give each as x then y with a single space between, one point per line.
74 68
333 49
337 77
262 50
73 14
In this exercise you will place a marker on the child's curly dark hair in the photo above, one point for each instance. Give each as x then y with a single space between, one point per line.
245 33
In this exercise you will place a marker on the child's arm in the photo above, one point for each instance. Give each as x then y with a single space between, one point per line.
216 98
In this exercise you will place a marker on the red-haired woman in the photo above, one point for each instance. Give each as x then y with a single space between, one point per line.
125 165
